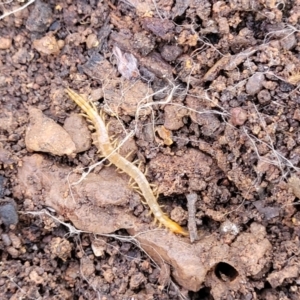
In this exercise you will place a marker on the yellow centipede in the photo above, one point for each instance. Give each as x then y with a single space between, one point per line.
104 144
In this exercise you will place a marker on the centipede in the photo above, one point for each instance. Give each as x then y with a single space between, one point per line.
107 149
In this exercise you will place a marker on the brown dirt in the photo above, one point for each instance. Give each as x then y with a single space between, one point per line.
224 150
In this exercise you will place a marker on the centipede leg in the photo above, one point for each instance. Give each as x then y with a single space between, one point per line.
109 164
112 137
134 186
137 161
85 116
115 143
146 170
154 221
154 189
140 164
93 105
101 114
107 125
130 181
128 154
140 193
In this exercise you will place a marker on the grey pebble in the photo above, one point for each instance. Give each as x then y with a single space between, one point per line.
8 212
2 189
255 83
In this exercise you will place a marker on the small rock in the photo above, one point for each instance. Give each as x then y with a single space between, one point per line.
5 43
170 52
8 212
238 116
6 240
96 94
92 41
165 135
289 42
40 18
87 267
3 80
44 135
13 252
276 278
136 280
16 241
179 215
60 248
76 127
143 43
255 83
229 227
264 97
35 277
98 247
268 211
22 56
5 158
108 275
296 115
47 45
173 117
162 28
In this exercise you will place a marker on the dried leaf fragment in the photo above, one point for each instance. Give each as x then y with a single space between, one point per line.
127 64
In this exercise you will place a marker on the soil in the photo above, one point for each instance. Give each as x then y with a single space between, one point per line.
209 90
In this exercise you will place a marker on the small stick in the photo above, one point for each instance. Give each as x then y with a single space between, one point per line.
191 205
